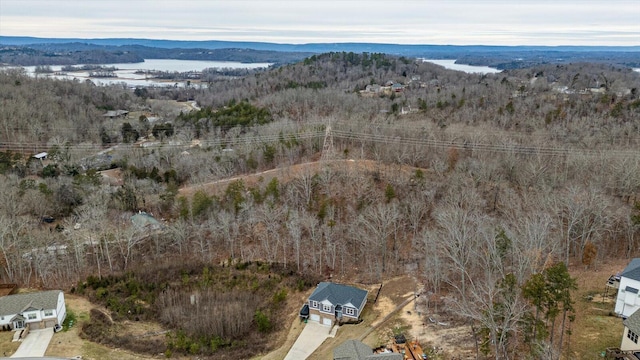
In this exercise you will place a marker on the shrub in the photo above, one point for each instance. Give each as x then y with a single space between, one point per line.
101 293
280 296
70 320
262 321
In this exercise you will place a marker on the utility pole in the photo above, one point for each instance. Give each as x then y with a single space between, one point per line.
327 148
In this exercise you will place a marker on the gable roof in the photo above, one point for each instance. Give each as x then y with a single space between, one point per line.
16 304
143 221
632 271
633 322
351 350
339 294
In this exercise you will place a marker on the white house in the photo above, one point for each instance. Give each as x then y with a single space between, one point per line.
628 300
38 310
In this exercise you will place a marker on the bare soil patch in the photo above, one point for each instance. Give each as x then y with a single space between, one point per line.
112 176
288 173
453 340
445 336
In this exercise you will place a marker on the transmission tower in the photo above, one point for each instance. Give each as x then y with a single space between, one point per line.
327 148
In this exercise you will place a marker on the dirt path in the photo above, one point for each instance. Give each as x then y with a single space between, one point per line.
286 174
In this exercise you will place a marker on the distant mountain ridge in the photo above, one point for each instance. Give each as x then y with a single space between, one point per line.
399 49
20 50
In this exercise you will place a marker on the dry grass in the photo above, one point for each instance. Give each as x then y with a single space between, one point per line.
288 336
288 173
69 343
7 347
594 330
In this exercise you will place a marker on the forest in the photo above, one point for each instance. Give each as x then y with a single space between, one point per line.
48 51
485 187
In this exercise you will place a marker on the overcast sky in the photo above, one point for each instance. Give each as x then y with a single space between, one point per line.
458 22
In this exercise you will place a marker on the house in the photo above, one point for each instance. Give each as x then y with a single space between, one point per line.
397 87
631 332
627 301
113 114
145 222
356 350
332 302
351 350
38 310
41 156
373 88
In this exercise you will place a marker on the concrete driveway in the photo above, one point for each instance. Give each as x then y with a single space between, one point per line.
35 344
312 336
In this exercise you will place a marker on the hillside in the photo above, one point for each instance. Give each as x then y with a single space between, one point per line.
354 167
46 51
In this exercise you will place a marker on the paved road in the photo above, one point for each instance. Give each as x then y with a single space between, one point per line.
312 336
35 344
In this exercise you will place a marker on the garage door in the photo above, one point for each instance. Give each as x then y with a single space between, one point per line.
34 326
314 317
326 321
50 323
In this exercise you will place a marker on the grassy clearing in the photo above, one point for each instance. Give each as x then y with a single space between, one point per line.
7 347
594 330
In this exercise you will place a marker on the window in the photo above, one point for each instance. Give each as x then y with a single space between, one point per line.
326 308
48 313
313 304
350 311
31 316
632 336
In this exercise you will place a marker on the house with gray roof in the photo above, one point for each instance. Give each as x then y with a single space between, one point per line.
331 303
631 332
351 350
37 310
113 114
628 301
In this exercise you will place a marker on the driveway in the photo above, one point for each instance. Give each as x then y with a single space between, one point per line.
312 336
35 344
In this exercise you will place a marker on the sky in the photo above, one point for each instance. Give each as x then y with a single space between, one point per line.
454 22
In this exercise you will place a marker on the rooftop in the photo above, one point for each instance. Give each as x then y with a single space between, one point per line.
633 322
15 304
632 271
339 294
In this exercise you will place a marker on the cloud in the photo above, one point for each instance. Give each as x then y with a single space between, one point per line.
541 22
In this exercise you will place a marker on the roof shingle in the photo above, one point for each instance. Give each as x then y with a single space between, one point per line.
632 271
633 322
15 304
339 294
351 350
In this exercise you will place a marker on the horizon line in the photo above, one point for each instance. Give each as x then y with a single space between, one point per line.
309 43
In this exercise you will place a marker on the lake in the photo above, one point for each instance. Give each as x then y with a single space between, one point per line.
126 72
451 65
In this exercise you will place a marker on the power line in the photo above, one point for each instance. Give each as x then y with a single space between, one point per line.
427 140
